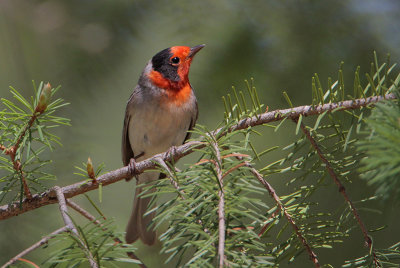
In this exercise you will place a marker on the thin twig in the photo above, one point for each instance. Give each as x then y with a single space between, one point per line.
12 151
64 210
38 244
221 206
89 255
274 195
342 190
18 168
83 212
269 221
29 262
92 218
46 198
68 222
170 176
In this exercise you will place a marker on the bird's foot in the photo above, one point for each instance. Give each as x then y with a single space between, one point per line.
171 153
132 169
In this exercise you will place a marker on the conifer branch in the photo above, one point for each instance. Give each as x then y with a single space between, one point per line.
48 197
272 192
92 218
38 244
174 183
342 190
306 110
12 150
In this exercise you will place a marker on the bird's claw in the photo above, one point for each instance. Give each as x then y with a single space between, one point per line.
133 169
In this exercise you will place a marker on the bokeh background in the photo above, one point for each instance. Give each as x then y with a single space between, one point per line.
97 49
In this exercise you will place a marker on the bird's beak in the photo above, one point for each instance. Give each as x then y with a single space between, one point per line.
194 50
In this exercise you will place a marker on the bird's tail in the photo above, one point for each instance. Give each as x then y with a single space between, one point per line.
138 225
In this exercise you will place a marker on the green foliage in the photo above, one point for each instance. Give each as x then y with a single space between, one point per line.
381 166
192 215
240 105
30 130
336 134
95 240
388 258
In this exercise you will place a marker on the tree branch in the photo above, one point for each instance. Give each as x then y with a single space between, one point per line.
342 190
46 198
273 194
308 110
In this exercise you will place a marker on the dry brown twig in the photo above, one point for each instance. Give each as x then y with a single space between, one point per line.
269 221
38 244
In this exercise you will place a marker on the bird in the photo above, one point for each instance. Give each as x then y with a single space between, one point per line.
159 115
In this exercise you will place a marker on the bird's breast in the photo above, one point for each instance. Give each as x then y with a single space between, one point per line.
153 128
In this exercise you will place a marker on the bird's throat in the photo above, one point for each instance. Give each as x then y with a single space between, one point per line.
177 92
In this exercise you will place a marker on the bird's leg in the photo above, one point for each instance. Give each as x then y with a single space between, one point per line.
132 166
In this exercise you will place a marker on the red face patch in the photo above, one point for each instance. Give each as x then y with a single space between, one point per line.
177 60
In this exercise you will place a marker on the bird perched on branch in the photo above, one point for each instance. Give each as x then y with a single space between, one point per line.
159 113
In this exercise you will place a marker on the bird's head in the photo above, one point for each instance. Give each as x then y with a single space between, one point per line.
170 67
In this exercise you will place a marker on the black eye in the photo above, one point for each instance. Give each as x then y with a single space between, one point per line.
175 60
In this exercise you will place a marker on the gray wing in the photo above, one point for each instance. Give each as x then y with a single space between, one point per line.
127 152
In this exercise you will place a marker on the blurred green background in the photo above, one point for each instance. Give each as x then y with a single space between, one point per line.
97 49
